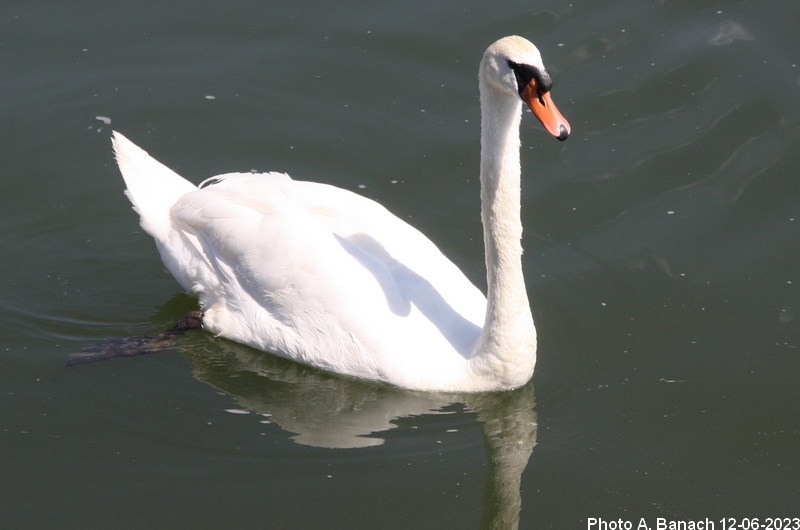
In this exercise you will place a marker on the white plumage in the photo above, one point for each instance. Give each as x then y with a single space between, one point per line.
331 279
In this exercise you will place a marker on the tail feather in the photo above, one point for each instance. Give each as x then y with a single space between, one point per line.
151 186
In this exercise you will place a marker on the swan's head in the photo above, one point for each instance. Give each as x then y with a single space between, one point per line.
513 66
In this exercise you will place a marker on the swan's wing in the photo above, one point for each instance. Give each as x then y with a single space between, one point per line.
317 268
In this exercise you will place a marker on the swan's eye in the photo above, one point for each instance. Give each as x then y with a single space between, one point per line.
526 73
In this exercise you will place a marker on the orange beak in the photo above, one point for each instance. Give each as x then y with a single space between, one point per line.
545 110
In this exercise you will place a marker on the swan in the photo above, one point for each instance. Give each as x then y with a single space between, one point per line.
331 279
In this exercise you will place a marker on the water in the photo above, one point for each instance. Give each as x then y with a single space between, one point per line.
661 258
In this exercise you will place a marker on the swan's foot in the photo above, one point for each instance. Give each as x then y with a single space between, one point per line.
133 346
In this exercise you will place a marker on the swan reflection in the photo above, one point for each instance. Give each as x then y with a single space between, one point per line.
325 410
328 411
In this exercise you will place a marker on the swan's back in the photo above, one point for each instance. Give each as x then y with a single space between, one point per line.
309 271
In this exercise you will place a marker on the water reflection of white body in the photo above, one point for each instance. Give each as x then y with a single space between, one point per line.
329 411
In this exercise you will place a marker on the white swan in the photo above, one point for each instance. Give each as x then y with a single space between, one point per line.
331 279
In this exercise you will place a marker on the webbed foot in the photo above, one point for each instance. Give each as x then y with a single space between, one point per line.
133 346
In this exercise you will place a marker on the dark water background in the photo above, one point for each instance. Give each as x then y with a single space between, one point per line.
661 242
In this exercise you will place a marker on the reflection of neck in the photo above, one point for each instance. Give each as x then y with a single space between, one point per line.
509 431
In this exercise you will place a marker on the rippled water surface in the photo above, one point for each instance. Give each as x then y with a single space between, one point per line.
662 263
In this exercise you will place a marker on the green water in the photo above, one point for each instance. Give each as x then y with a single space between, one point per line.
662 263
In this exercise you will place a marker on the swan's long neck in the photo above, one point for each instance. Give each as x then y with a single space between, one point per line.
508 342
